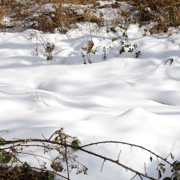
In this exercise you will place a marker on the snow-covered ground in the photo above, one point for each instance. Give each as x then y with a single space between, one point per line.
122 98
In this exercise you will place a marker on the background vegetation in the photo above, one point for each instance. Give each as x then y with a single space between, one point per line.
46 15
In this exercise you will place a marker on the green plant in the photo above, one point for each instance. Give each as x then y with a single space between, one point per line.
138 53
93 51
175 169
125 46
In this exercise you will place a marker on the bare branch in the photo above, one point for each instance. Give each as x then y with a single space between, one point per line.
129 144
62 143
118 163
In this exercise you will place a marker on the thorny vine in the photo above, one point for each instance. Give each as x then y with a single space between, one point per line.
65 160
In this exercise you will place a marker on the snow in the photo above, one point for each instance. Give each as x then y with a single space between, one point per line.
121 98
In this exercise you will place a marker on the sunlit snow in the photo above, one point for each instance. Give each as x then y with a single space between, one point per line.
122 98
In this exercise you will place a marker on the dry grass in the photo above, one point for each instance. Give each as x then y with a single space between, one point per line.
35 14
166 13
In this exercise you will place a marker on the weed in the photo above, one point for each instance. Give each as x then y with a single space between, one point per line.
87 50
49 48
43 46
125 46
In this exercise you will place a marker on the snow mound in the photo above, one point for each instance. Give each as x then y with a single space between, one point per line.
135 112
145 128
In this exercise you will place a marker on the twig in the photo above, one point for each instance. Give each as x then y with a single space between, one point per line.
67 164
133 177
129 144
80 147
118 163
145 168
102 165
140 176
170 60
119 155
35 155
23 142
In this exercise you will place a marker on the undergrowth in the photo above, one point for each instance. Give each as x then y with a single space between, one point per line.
48 15
64 161
164 13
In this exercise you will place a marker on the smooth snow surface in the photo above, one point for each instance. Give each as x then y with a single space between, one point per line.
122 98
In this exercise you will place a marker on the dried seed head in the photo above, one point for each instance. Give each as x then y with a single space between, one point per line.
90 46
